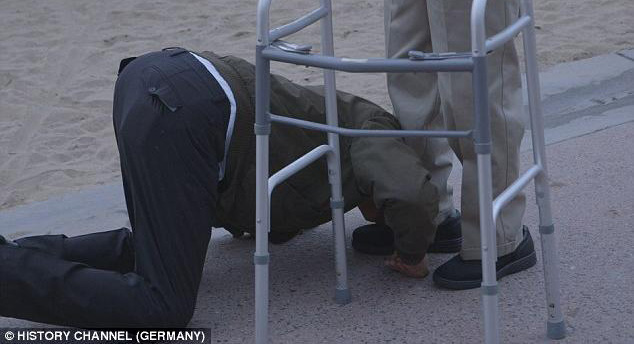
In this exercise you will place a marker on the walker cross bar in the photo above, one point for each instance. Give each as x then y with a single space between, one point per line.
372 65
473 62
363 132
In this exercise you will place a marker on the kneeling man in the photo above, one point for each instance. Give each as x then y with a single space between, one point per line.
184 128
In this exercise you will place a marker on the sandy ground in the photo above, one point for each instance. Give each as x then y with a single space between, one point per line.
59 59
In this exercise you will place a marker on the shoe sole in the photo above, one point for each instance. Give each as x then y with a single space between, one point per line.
445 246
514 267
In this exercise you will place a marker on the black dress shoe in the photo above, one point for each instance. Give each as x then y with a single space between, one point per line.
379 239
373 239
467 274
448 236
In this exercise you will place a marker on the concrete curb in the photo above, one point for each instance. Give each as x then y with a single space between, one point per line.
566 76
582 97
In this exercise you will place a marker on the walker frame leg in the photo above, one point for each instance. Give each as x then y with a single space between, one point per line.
342 292
262 130
482 146
555 328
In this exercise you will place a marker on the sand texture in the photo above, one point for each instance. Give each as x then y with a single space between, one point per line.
59 59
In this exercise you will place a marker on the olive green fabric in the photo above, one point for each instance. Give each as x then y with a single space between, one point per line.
385 168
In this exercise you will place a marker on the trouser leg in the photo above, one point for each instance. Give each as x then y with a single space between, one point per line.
450 28
391 172
110 250
415 96
169 165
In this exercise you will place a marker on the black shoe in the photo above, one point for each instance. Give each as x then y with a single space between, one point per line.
467 274
373 239
379 239
448 236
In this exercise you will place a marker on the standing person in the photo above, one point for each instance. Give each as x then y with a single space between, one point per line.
184 128
424 100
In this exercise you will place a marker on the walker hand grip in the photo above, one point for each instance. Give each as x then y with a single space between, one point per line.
420 55
292 47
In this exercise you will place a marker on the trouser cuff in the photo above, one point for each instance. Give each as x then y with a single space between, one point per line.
475 253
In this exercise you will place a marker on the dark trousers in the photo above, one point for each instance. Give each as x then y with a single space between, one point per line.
170 119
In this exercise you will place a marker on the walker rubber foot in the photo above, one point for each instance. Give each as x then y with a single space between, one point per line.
556 330
342 296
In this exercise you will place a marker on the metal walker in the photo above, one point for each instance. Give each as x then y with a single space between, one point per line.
268 49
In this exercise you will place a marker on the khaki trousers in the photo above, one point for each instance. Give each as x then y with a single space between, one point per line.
434 101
